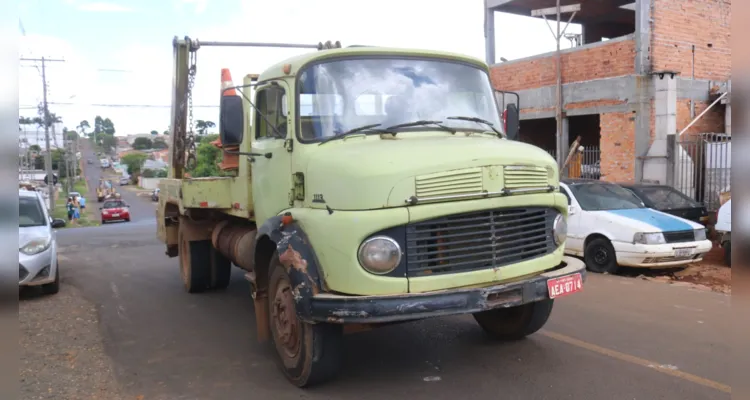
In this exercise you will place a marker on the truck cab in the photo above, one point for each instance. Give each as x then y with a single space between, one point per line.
374 186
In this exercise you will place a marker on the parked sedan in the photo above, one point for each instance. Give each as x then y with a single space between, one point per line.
609 227
115 210
669 200
37 244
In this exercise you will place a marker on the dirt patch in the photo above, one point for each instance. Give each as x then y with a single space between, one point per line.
62 356
711 273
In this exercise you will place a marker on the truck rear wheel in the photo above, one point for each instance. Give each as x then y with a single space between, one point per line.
515 323
221 270
308 354
195 263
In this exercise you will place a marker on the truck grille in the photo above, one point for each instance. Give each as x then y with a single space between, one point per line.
449 183
22 272
479 240
522 176
679 236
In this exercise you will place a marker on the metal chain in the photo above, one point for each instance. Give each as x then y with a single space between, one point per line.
190 142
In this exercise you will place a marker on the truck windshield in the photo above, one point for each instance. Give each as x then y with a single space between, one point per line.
340 95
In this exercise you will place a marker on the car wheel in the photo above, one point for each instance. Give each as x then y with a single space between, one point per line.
195 263
728 254
308 354
515 323
54 287
600 256
103 221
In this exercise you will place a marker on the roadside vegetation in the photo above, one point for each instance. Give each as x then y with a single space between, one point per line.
87 215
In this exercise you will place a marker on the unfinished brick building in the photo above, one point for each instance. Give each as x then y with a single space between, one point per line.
641 72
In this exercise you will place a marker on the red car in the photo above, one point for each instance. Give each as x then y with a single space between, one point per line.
115 210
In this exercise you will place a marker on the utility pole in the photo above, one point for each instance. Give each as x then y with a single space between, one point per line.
45 121
558 34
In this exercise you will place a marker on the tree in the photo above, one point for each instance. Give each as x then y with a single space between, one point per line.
70 134
202 126
154 133
142 143
108 126
166 133
58 163
35 147
148 173
82 126
159 143
108 142
134 162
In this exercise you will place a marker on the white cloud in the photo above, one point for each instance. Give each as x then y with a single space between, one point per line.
199 6
103 7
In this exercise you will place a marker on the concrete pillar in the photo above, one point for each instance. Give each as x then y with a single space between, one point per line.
656 166
489 34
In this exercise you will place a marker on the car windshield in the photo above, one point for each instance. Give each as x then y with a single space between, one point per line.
602 196
338 96
30 212
667 198
113 204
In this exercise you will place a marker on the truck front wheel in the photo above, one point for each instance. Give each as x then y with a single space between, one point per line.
308 354
515 323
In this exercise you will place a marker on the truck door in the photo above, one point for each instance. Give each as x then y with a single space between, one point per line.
271 172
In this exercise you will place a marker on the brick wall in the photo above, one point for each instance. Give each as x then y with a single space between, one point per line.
600 61
617 145
712 122
679 24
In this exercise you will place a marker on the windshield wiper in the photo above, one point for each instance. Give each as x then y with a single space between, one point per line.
370 127
479 121
421 123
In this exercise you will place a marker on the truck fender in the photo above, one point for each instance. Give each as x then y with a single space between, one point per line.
298 258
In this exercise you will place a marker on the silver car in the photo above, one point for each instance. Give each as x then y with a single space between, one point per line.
37 244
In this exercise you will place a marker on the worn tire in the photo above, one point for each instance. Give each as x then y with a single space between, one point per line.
728 254
308 354
195 264
54 287
515 323
221 270
600 257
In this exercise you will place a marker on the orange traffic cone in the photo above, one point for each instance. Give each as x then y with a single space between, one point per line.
229 161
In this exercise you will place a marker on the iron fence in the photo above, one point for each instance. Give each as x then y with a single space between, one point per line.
584 164
702 167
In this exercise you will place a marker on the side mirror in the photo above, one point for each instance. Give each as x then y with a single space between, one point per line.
512 121
58 223
101 208
231 120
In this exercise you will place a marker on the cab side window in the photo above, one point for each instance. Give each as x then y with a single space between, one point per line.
270 115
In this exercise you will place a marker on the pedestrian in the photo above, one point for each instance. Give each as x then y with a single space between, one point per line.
76 210
70 208
82 202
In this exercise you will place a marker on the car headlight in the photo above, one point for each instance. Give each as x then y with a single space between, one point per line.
36 246
700 234
649 238
560 229
379 255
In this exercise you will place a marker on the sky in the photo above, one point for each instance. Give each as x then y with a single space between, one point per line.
118 54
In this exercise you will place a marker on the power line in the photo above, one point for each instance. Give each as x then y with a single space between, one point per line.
117 105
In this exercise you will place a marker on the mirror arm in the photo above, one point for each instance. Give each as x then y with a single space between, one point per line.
242 153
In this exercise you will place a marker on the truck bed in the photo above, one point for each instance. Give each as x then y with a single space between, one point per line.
210 192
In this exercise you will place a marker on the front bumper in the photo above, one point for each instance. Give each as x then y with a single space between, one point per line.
38 269
121 217
340 309
660 255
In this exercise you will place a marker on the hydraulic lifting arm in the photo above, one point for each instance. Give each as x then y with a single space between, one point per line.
182 151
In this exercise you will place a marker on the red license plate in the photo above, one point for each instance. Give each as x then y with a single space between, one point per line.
564 285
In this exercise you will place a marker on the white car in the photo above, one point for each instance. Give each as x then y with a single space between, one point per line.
610 227
37 244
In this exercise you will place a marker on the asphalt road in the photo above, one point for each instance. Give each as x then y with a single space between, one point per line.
621 338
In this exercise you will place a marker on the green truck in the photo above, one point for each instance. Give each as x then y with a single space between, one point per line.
373 186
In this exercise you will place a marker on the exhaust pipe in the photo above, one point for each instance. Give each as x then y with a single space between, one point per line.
237 243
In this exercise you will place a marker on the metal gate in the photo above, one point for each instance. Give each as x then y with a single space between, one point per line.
702 167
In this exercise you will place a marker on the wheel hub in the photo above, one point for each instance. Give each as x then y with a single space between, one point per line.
601 256
284 317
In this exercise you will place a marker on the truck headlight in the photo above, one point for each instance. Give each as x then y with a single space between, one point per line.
560 229
36 246
700 234
649 238
379 255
